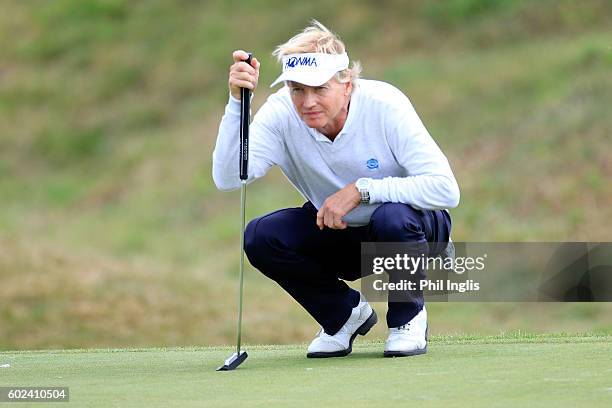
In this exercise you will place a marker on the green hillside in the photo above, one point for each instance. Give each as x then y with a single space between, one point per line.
113 234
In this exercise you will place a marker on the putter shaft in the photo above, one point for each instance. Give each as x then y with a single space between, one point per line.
241 278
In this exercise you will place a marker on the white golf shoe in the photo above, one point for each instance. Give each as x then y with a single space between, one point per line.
409 339
361 320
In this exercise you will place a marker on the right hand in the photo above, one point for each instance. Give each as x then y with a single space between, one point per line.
241 74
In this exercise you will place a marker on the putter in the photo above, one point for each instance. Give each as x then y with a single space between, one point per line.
239 356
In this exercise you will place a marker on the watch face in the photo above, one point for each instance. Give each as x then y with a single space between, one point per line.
362 184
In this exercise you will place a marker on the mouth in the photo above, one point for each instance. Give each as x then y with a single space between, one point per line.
311 114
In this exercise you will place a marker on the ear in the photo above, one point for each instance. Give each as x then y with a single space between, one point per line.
348 88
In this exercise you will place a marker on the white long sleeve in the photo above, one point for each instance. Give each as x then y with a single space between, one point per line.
429 183
265 149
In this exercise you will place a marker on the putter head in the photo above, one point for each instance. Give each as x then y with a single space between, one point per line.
233 361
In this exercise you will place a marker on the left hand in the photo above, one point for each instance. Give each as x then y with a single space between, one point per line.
337 206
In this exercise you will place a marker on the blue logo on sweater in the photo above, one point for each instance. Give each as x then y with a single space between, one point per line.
372 164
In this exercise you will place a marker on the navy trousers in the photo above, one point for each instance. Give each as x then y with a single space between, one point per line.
312 265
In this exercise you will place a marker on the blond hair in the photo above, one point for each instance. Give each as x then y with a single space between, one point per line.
318 38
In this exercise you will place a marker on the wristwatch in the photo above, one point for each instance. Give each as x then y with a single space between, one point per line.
363 186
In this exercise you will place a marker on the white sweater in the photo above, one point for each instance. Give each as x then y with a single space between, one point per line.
382 139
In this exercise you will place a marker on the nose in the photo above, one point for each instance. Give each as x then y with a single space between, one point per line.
310 99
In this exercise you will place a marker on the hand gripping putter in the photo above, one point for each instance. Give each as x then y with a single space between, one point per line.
245 110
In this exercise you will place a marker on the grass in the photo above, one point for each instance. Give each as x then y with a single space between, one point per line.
517 370
113 234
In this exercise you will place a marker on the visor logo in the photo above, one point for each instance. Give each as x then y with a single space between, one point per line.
301 61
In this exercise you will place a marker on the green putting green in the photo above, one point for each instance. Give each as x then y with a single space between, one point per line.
523 370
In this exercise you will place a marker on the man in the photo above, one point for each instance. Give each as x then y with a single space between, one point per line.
358 152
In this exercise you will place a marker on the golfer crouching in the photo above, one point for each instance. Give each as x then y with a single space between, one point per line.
358 152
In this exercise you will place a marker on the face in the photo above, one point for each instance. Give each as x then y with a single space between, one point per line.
322 107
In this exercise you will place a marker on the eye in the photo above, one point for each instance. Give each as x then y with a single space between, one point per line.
321 90
296 90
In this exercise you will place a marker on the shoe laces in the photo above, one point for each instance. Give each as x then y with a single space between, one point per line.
404 327
321 333
346 328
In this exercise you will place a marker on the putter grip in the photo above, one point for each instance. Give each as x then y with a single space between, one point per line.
245 114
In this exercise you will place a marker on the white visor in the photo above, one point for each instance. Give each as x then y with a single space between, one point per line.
311 69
